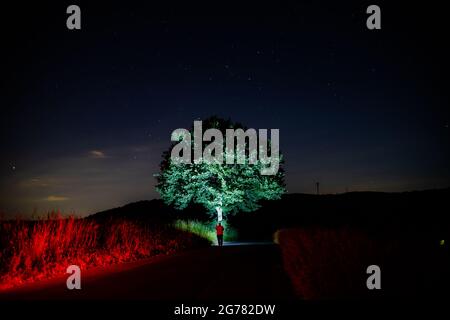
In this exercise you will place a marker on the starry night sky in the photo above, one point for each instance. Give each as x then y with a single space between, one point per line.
85 115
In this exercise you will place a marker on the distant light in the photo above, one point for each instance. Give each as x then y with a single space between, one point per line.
442 242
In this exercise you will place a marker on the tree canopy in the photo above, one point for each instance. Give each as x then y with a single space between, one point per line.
220 188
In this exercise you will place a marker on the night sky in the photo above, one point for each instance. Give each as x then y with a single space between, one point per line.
85 115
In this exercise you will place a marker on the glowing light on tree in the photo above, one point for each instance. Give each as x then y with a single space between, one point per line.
221 188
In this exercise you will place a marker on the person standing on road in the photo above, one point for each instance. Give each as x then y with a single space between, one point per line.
219 231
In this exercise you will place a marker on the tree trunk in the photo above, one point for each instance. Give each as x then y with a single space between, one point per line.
219 214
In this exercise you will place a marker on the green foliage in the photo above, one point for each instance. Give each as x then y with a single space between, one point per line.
198 228
231 187
206 230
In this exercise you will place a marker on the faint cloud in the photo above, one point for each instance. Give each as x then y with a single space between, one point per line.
56 198
34 183
140 149
97 154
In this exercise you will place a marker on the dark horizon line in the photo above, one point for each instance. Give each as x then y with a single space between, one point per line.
57 211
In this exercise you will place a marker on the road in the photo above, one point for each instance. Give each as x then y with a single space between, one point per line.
238 271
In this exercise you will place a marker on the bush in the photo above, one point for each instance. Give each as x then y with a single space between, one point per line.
206 230
34 250
326 263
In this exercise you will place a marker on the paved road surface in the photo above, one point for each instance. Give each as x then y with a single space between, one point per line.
235 272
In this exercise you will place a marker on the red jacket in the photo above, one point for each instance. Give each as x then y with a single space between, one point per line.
219 230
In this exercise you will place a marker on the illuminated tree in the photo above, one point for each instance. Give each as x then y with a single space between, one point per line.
221 188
